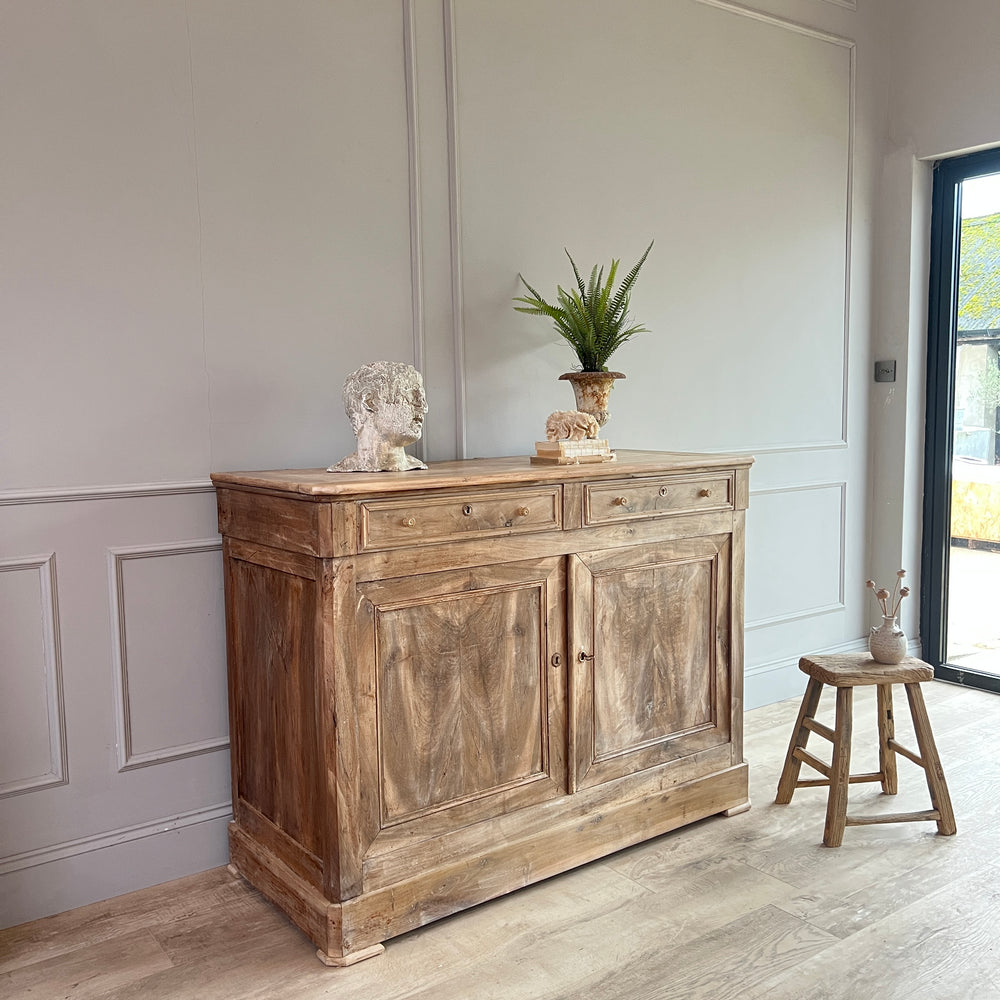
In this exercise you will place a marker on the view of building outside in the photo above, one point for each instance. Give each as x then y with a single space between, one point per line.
974 576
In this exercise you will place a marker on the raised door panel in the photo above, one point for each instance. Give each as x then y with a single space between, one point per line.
469 713
651 642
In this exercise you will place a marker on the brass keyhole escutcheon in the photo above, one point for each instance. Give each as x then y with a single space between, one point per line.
523 512
663 491
556 660
409 522
620 501
704 492
585 656
467 509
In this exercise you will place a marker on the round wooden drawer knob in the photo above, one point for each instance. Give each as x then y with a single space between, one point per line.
523 511
704 493
620 501
409 522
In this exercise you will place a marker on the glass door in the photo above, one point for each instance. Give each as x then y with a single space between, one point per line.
960 585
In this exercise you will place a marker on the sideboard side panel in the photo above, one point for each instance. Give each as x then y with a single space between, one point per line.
277 767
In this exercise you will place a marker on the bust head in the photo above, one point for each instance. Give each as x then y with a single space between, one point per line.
386 405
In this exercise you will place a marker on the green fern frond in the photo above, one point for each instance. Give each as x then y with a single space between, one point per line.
591 317
576 272
620 299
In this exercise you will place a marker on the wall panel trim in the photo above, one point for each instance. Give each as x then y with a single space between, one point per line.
416 219
821 609
851 46
851 646
113 838
455 214
123 491
127 760
58 772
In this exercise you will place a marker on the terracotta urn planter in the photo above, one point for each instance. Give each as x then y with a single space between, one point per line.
592 390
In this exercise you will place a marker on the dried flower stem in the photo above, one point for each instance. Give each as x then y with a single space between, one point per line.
886 600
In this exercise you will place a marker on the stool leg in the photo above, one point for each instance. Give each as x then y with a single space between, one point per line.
936 785
790 772
886 732
840 770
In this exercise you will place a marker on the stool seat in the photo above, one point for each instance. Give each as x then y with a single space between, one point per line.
845 672
855 670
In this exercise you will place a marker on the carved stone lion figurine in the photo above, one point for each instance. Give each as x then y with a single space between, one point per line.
386 405
570 425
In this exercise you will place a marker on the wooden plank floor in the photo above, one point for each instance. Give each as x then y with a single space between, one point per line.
751 907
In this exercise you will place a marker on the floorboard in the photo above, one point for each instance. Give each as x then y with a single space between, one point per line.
745 908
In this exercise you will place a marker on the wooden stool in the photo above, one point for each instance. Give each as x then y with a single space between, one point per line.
845 672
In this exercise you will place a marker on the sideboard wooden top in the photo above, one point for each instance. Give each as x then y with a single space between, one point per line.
319 483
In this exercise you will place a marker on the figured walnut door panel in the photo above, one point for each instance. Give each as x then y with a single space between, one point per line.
469 714
650 646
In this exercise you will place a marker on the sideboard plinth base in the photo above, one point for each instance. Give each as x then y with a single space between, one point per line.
342 961
350 931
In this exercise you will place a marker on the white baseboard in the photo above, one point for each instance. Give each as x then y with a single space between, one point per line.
73 873
766 683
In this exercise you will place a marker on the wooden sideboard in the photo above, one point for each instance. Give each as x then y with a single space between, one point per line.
450 683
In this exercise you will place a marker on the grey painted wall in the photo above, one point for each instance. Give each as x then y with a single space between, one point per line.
212 211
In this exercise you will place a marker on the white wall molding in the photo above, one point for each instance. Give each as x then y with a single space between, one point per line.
848 4
852 646
785 449
851 46
455 219
124 491
813 612
416 217
58 771
127 759
782 22
821 609
777 680
113 838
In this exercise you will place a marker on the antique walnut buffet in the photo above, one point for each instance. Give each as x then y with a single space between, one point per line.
447 684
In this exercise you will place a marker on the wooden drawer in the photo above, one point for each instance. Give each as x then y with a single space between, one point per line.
424 520
627 499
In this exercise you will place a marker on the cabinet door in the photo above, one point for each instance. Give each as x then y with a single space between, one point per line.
469 712
650 633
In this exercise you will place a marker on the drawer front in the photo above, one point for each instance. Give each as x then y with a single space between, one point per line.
424 520
628 499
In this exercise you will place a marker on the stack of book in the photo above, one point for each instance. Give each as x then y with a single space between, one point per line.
572 452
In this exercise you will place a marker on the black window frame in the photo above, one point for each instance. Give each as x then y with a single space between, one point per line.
939 427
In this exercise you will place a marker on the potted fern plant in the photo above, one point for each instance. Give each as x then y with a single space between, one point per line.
594 320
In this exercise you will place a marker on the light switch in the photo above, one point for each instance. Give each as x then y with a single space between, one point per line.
885 371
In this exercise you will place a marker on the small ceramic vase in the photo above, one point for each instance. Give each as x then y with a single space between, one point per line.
887 642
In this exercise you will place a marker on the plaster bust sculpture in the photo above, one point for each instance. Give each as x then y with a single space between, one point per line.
385 403
571 425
